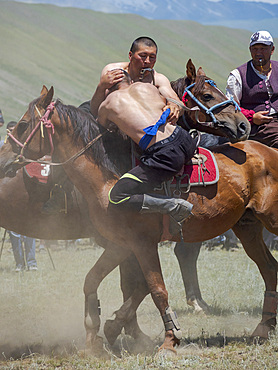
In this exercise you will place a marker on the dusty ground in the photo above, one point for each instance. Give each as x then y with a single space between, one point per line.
42 311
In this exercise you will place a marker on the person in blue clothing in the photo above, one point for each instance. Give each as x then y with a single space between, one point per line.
24 250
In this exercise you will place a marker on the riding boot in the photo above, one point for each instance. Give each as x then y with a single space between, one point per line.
178 209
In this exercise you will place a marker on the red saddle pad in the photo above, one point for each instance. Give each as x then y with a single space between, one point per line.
201 170
38 171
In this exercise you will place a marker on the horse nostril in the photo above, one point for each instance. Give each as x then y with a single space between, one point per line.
242 128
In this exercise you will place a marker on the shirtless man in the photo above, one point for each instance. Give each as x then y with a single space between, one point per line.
138 110
142 58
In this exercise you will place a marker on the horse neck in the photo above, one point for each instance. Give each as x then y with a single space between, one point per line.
92 180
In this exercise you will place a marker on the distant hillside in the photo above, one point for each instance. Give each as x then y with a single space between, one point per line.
67 48
251 15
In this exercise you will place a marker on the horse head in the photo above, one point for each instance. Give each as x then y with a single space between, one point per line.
23 141
207 108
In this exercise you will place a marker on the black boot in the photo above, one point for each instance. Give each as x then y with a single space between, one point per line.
177 208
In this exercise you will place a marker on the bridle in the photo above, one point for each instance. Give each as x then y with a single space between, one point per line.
209 111
44 121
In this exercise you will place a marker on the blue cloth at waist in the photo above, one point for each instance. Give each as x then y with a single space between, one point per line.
150 131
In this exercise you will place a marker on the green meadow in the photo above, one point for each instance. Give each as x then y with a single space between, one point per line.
68 47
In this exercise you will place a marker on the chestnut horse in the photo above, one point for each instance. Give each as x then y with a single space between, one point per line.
239 201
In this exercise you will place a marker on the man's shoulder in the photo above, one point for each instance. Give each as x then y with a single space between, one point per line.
160 77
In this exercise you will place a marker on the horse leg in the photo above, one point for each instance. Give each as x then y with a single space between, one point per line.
148 258
187 255
249 231
131 272
109 259
126 318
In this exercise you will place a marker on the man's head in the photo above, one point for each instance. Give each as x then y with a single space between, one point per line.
261 48
142 41
143 52
261 37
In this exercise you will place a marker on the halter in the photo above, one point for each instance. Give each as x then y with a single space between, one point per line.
46 122
208 111
43 122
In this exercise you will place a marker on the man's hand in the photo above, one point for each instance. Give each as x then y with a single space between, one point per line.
110 78
261 117
175 112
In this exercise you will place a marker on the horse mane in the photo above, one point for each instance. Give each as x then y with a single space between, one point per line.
179 85
85 129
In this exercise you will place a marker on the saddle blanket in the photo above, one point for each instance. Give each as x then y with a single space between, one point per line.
38 171
202 170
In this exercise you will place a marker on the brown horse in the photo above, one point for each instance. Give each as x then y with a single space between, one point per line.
238 201
21 200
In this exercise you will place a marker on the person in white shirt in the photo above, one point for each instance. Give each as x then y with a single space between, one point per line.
254 85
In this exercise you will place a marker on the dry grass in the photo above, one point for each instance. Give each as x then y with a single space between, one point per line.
42 314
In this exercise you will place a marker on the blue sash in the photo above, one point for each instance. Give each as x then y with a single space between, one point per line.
150 131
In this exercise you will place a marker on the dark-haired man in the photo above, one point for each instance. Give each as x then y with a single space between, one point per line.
142 58
165 146
255 86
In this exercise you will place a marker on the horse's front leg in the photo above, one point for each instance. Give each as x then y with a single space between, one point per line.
110 259
147 256
187 255
249 231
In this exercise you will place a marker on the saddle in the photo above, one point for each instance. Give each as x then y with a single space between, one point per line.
201 170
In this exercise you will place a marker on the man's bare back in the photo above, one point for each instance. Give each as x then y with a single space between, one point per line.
133 108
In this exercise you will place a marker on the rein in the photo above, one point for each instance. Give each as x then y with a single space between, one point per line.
46 122
208 111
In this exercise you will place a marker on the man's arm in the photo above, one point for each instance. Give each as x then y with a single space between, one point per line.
165 89
109 77
234 89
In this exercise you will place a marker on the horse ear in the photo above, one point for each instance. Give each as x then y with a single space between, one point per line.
44 90
200 72
190 71
47 97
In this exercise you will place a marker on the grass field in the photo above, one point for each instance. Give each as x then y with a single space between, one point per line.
42 314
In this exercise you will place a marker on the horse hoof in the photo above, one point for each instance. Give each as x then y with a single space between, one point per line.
112 329
199 306
262 331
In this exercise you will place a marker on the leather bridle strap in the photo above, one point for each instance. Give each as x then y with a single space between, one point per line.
44 121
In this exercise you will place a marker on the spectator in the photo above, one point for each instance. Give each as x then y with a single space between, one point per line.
18 240
23 256
254 85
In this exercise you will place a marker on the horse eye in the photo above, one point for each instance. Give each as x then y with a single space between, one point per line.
22 127
207 97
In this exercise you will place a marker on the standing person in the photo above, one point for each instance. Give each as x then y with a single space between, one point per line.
254 85
142 58
17 242
166 147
